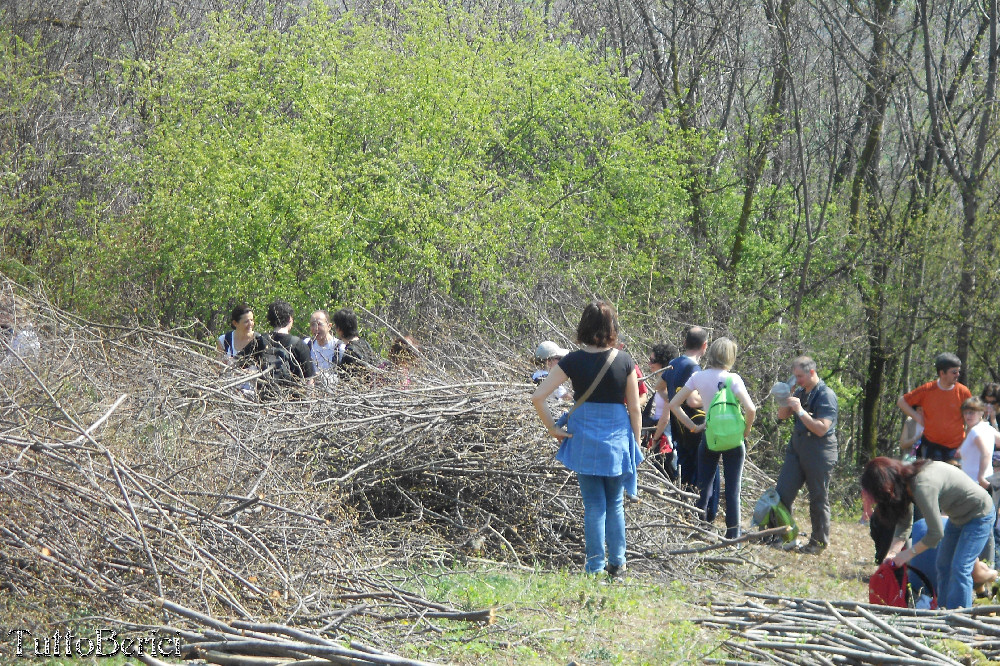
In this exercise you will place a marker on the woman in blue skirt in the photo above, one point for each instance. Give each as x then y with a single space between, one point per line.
600 442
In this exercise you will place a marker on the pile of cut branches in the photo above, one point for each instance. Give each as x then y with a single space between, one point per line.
134 468
769 629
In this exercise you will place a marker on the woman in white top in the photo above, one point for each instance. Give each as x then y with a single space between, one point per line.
718 360
233 342
976 454
980 440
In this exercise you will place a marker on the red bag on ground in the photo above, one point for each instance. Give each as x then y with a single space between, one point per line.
890 586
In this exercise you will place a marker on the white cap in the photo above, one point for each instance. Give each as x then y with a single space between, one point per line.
548 349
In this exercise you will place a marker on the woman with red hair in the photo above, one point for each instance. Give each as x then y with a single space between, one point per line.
936 488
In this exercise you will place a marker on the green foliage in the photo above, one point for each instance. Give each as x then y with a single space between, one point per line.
25 91
340 160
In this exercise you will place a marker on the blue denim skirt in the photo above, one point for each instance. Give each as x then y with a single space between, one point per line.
602 443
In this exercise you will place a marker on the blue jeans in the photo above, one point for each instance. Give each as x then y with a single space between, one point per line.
957 552
732 470
603 519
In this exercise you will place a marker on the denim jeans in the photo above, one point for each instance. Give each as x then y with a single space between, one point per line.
603 519
957 552
732 470
932 451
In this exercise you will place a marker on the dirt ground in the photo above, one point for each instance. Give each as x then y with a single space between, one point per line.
841 571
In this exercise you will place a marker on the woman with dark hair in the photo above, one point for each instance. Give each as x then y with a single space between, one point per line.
241 336
233 342
662 448
719 361
936 488
600 442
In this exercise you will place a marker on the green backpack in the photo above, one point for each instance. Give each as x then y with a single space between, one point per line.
780 516
724 420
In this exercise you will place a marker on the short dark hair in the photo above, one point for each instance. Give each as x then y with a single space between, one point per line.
946 361
346 321
598 325
991 390
663 353
238 313
279 313
694 338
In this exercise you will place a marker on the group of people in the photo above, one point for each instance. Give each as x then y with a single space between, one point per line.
600 435
283 362
946 482
599 439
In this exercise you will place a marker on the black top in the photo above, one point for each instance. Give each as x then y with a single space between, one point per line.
359 357
303 365
582 367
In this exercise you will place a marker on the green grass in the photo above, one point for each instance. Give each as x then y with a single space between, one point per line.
558 617
562 616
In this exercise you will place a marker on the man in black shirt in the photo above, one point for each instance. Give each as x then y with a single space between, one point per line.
285 354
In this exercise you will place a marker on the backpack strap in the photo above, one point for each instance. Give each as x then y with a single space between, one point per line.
597 380
931 592
227 343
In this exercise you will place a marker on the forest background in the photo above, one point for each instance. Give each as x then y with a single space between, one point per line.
803 176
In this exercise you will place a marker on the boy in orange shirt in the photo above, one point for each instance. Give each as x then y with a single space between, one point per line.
941 401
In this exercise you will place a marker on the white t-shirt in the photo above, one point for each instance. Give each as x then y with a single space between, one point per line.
325 356
658 404
971 455
706 383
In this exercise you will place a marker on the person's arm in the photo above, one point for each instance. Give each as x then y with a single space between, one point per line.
749 410
985 461
632 404
304 358
901 534
662 425
910 411
908 437
894 550
818 427
900 557
675 408
548 385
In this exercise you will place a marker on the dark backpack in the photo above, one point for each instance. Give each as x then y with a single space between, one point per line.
890 586
359 359
275 361
724 420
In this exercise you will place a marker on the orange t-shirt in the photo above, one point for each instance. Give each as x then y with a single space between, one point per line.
943 422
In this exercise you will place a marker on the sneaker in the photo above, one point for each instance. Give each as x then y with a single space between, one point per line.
615 571
813 547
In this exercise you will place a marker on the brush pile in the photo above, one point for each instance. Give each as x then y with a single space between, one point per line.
768 629
133 469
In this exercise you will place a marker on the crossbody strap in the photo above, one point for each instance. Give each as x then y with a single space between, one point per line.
597 380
